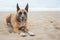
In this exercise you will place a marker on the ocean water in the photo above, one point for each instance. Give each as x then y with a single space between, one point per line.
34 5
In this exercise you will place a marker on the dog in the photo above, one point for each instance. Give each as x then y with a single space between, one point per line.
18 21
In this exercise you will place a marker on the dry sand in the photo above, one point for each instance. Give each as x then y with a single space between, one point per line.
45 25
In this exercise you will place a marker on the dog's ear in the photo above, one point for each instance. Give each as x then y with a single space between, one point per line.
18 7
26 8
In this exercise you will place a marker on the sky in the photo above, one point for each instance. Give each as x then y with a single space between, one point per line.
34 5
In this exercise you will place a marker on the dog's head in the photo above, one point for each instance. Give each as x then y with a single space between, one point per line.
22 14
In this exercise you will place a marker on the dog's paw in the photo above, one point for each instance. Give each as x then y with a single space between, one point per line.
23 34
31 34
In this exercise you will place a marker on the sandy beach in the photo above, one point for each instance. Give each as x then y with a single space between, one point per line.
45 25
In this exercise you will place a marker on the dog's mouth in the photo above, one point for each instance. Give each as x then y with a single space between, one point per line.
23 23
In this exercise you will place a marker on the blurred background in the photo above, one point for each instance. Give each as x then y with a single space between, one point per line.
34 5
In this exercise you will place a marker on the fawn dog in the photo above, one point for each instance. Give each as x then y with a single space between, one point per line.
18 21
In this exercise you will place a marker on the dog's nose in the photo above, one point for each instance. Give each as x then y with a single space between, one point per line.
22 18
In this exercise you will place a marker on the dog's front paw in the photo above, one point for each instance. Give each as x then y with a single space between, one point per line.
23 34
31 34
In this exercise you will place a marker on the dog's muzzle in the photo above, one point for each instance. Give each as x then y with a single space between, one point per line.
22 20
23 17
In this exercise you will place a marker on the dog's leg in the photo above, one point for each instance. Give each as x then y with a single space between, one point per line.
31 33
27 31
8 21
24 31
15 28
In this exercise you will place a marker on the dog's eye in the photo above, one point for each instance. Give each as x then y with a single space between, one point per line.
25 13
20 13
